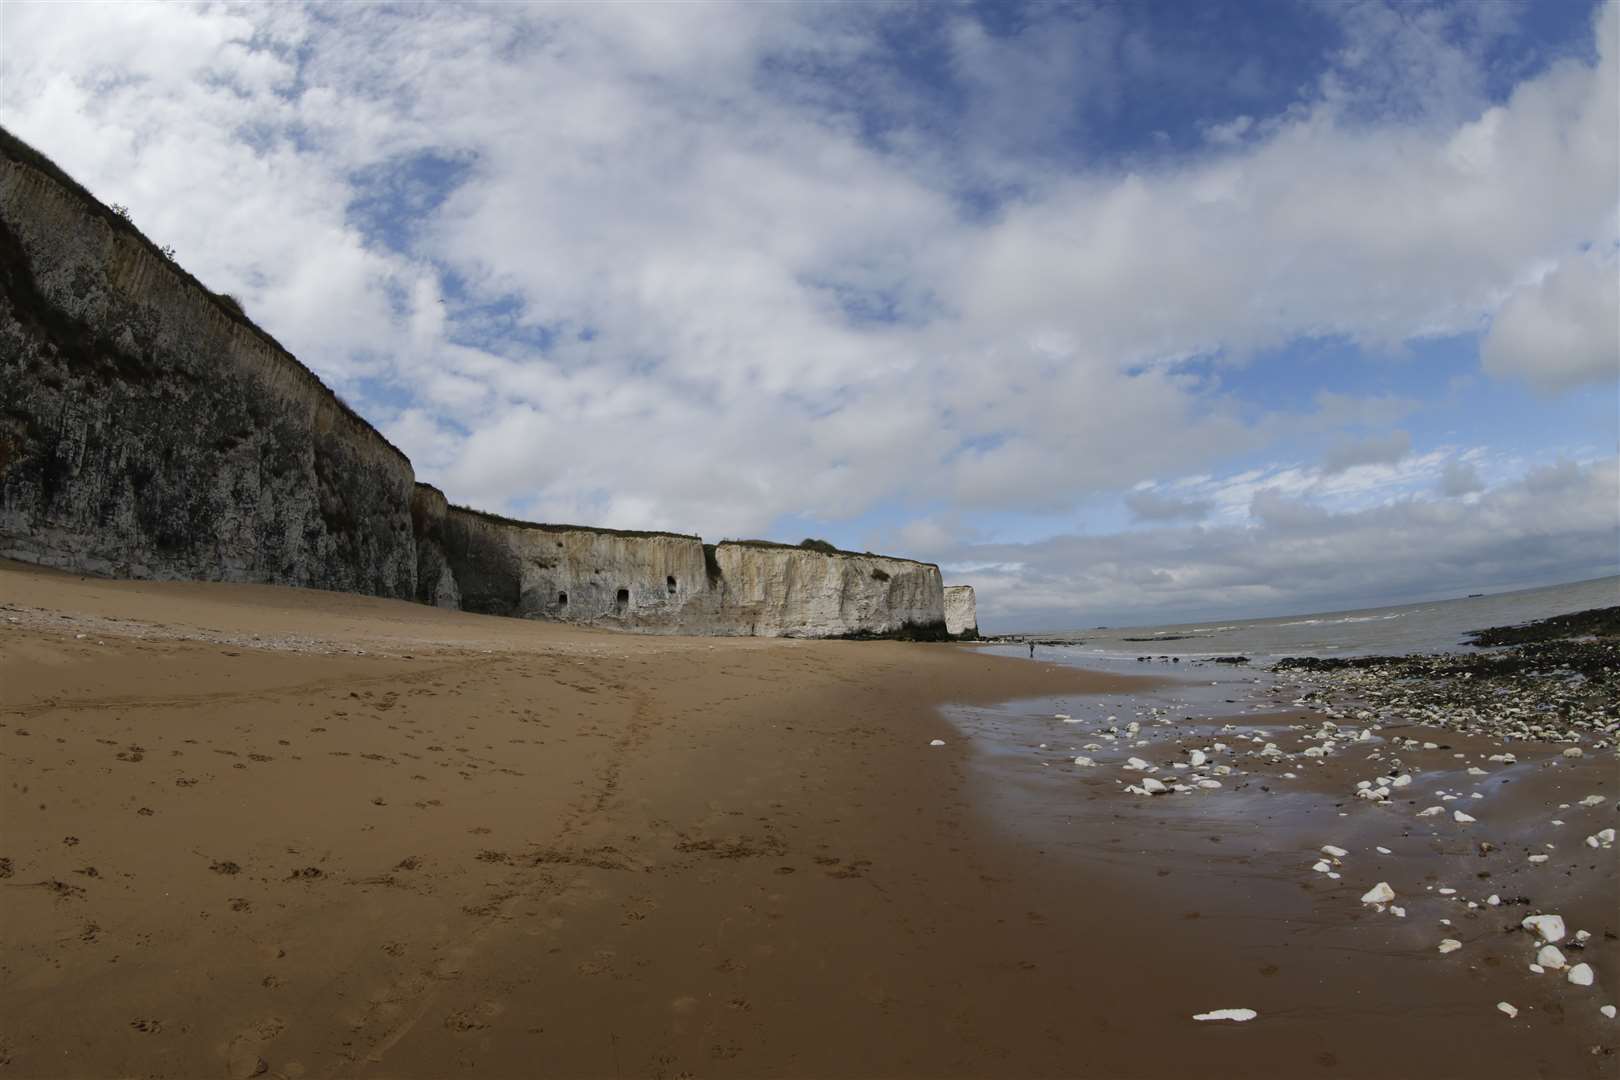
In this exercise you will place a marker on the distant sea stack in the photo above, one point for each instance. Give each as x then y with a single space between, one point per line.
149 429
961 612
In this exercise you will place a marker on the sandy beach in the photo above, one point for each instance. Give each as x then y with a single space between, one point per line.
265 831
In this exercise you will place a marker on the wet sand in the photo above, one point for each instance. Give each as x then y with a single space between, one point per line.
261 831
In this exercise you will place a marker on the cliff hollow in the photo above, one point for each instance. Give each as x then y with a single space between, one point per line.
149 429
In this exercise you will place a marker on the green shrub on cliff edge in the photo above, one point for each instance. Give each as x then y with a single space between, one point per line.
812 544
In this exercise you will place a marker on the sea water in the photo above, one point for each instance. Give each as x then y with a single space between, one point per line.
1437 626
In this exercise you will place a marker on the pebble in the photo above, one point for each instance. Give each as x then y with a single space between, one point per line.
1197 757
1509 1009
1431 811
936 742
1549 956
1607 1010
1550 928
1462 818
1581 974
1592 800
1336 852
1449 945
1539 859
1153 787
1382 850
1238 1015
1381 893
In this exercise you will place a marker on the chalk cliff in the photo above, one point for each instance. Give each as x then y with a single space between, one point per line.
961 612
149 429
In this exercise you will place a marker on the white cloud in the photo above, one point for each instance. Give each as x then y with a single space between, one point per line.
1373 450
1561 330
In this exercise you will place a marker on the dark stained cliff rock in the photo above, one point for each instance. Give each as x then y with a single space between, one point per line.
148 430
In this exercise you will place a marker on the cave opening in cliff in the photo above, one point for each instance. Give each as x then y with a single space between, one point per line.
562 599
624 598
670 581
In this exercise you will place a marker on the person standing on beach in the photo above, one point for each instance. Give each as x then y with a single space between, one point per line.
1032 650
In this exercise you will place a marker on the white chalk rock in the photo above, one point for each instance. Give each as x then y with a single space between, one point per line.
1061 716
1449 945
1539 859
1135 764
1084 762
1550 928
1581 974
1462 818
1382 850
1431 811
1573 752
1153 787
1321 866
1380 893
1336 852
1475 770
1583 936
1493 900
1538 969
1236 1015
1209 785
1607 1010
1509 1009
936 742
1398 911
1549 956
1592 800
1401 781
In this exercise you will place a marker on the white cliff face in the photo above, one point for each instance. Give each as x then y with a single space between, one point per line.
795 592
644 583
961 611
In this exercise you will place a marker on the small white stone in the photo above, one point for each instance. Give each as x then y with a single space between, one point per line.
1237 1015
1538 969
1431 811
1581 974
1449 945
1493 900
936 742
1592 800
1321 866
1382 850
1380 893
1197 758
1448 892
1509 1009
1549 956
1607 1010
1400 781
1573 752
1583 936
1153 787
1084 762
1475 770
1135 764
1550 928
1336 852
1398 911
1462 818
1539 859
1060 716
1209 785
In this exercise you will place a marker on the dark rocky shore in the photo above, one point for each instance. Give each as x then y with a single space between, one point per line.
1553 680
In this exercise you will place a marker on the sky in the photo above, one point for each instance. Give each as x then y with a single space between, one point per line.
1121 313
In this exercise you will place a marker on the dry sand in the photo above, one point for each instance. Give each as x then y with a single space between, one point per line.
263 831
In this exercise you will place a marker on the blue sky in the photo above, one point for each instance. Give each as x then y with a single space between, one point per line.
1120 312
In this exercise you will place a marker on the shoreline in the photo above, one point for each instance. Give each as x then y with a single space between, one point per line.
383 840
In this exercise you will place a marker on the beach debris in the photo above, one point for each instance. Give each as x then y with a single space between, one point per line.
1581 974
936 742
1549 956
1448 945
1503 1006
1380 893
1550 928
1602 838
1236 1015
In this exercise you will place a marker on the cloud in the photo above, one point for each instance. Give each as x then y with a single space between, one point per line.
1550 525
1460 478
1153 506
1375 450
1561 331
